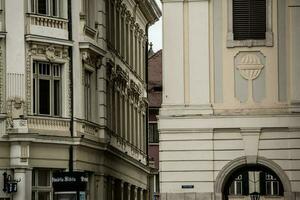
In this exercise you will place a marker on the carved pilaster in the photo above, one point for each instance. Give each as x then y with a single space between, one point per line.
2 82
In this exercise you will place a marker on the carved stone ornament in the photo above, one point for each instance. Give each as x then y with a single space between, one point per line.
143 103
50 53
134 90
250 67
15 110
91 59
122 76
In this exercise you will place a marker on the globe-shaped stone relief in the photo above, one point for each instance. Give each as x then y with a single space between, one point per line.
250 66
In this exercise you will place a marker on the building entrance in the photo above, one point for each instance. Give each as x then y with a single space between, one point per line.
253 182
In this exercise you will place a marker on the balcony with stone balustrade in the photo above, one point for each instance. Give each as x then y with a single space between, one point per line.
47 26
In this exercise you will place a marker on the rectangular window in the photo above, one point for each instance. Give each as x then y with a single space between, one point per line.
272 185
42 7
87 95
41 184
249 19
46 88
236 187
89 13
153 133
46 7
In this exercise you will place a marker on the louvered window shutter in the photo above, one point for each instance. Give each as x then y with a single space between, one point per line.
249 19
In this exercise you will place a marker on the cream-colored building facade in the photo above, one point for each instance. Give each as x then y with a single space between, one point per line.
73 96
230 106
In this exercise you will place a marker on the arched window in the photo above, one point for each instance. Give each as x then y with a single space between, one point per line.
253 179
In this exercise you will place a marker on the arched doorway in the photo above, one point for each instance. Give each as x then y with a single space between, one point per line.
253 182
236 180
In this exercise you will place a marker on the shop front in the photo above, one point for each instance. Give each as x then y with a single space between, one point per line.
69 185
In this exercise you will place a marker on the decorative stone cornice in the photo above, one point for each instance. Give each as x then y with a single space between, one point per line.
50 51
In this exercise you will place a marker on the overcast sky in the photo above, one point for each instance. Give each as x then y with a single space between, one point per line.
155 33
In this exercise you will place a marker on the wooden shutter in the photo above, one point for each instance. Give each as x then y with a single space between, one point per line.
249 19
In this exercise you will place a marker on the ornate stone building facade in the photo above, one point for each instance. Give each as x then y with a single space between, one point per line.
73 99
229 122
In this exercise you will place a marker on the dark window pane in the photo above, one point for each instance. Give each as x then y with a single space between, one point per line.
33 68
42 6
33 178
33 195
43 178
32 6
44 94
54 8
275 188
239 188
34 95
87 93
268 188
56 100
44 195
153 133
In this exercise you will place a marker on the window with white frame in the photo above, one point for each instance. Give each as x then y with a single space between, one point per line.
236 187
41 184
272 185
47 88
46 7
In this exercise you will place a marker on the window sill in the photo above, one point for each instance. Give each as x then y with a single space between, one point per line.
272 196
47 16
237 196
268 42
90 32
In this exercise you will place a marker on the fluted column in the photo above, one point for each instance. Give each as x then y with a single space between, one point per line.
133 193
122 190
140 193
112 188
145 195
119 187
127 191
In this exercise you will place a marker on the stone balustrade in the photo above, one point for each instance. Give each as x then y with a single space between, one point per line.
48 123
47 21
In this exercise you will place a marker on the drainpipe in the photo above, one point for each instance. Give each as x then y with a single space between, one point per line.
70 37
146 80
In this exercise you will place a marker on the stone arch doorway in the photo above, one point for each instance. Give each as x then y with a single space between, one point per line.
244 175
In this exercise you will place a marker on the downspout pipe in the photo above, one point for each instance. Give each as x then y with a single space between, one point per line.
146 80
70 51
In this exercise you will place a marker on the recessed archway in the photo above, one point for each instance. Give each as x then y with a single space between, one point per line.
262 164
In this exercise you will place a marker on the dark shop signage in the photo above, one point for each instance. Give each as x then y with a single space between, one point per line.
9 185
69 181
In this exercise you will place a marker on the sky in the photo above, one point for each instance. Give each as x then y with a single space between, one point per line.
155 32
